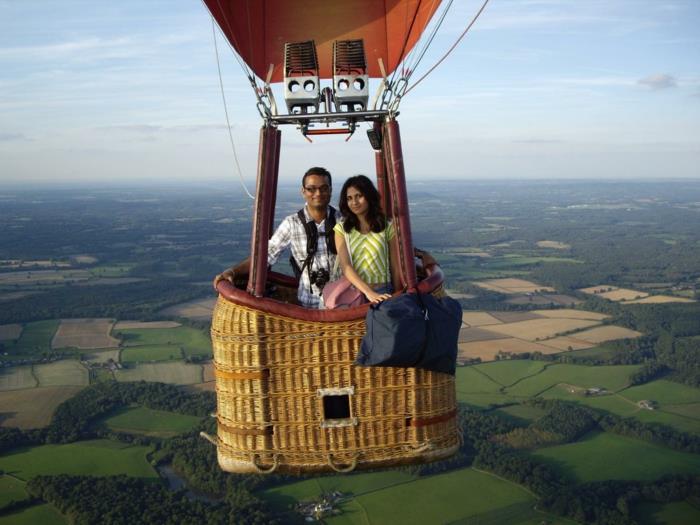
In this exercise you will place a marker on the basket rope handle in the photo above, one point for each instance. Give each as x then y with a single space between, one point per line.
211 439
263 470
340 469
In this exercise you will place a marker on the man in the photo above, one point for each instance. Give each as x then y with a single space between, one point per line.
314 268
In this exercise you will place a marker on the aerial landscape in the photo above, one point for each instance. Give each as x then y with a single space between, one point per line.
548 162
579 378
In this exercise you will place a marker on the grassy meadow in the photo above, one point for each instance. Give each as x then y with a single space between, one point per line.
191 340
34 340
397 497
99 457
38 514
601 456
142 420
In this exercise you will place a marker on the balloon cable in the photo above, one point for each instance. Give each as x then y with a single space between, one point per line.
476 16
228 122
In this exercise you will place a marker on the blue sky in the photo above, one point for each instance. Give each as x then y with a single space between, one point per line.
98 91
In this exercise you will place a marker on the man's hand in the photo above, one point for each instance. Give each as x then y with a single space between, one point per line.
229 275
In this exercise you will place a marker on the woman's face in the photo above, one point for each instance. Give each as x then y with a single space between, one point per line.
356 201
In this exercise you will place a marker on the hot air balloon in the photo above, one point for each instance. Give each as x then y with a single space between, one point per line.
289 398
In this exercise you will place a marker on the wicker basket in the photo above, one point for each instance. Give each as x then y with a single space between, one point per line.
291 400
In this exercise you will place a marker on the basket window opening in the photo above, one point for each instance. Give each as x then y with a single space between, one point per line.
336 407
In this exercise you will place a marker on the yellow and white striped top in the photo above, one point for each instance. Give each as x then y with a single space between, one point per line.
369 253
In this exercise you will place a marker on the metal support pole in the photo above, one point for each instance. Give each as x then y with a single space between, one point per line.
264 209
382 183
399 199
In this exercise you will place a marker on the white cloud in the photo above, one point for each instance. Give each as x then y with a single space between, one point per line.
658 81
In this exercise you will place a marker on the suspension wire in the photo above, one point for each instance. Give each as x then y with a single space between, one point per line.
406 62
228 122
429 41
405 43
476 16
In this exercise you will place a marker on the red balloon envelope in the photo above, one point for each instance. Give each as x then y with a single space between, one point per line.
258 29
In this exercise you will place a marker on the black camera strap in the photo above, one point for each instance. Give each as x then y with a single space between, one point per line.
312 234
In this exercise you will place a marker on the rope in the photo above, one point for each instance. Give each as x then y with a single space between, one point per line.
451 48
228 122
412 67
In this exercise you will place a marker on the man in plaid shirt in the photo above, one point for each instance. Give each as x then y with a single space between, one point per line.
316 188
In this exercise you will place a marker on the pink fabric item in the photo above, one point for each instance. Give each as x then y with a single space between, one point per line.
342 294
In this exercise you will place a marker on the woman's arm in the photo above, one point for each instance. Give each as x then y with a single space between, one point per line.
350 273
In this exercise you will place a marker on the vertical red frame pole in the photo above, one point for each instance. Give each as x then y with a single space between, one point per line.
264 208
397 183
382 183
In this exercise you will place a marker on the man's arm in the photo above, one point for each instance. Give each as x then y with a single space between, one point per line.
279 241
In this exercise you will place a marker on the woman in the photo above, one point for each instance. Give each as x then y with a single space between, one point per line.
367 254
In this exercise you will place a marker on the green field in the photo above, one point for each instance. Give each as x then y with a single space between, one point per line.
11 489
521 414
675 406
38 514
66 372
35 339
477 390
395 497
676 513
175 372
602 456
142 420
507 373
611 378
99 457
146 353
111 270
191 340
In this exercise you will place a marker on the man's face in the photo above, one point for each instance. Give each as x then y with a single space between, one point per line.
316 191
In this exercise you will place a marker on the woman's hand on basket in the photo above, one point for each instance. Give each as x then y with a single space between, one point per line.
375 298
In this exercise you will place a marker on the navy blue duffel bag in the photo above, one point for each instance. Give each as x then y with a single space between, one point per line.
412 330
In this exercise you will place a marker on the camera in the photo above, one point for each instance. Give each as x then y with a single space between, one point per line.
320 277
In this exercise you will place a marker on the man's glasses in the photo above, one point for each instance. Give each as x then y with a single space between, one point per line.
313 189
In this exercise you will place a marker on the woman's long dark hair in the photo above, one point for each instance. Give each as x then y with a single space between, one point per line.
375 216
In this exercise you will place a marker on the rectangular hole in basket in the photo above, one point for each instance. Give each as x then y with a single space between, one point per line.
337 409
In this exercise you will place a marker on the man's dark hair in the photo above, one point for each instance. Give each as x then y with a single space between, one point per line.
375 215
317 170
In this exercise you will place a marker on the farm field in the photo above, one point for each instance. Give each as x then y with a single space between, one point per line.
9 332
521 413
199 309
513 286
612 378
176 372
33 407
17 377
191 340
66 372
84 334
473 318
676 513
31 277
600 334
142 420
613 293
660 299
556 245
567 343
44 514
11 489
568 313
126 325
99 457
147 353
35 339
487 350
602 456
394 497
534 329
102 356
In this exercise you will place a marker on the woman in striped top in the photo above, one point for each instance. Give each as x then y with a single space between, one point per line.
367 253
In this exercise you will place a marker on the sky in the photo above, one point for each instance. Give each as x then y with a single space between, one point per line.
94 91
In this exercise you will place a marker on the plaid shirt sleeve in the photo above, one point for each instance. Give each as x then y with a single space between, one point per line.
280 240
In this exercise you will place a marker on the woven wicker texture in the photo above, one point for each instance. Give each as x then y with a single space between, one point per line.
275 377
